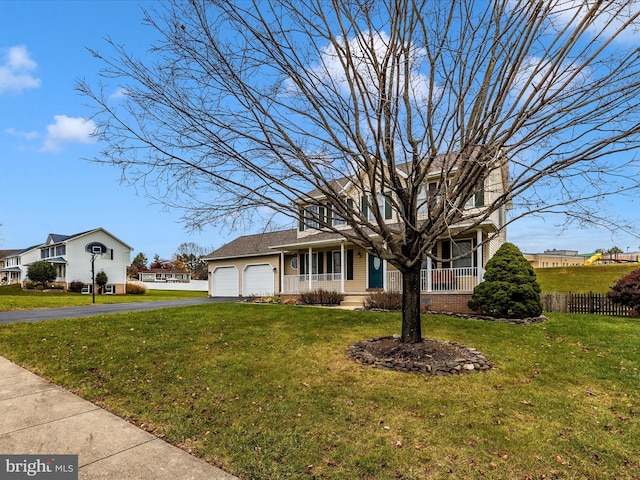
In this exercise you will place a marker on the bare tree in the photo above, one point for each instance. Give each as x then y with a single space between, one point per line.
190 255
246 106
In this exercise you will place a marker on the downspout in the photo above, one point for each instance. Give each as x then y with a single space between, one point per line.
281 271
309 269
342 267
479 255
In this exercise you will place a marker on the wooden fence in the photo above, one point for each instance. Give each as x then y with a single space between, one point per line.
596 303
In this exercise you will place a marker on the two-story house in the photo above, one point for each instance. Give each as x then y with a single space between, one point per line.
289 262
72 261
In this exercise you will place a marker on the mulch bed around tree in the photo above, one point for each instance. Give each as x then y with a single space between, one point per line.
430 356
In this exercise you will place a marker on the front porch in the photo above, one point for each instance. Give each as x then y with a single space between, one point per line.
445 280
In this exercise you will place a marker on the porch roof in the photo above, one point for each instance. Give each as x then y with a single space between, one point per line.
11 269
56 260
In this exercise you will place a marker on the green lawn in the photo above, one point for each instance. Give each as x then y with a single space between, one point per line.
582 279
14 298
267 392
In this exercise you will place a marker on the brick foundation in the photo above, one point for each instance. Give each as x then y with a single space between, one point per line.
447 302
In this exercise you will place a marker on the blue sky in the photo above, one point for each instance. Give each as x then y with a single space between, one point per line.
47 187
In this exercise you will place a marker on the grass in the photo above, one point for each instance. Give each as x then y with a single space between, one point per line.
582 279
14 298
266 392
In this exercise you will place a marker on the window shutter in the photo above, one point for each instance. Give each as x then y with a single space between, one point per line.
446 253
329 212
320 262
479 195
387 207
301 222
365 207
350 203
349 264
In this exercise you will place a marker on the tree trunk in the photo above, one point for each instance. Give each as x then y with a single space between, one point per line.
411 322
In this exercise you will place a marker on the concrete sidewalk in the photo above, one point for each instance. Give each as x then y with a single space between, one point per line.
38 417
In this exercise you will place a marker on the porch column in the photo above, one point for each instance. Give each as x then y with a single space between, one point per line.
281 271
479 255
342 267
429 276
310 269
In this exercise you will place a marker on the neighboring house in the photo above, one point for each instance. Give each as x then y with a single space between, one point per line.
73 263
290 262
164 275
556 258
9 268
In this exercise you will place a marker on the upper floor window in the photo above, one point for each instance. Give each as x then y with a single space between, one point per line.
311 217
477 199
384 206
426 197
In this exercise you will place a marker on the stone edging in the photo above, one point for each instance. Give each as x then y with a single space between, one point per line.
515 321
476 362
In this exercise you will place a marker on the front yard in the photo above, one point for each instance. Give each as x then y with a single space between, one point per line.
12 297
267 391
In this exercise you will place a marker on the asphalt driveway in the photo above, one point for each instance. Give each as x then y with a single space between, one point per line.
39 314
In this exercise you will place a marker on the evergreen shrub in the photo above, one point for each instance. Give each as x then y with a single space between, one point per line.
510 288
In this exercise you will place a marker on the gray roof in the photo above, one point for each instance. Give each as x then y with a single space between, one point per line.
257 244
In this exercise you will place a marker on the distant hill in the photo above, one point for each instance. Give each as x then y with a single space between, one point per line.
582 279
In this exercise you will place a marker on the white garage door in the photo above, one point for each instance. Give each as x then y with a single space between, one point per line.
225 282
257 280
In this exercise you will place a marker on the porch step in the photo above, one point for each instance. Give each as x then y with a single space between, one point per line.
353 301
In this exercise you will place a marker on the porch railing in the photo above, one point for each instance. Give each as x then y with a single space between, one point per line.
462 279
300 283
436 280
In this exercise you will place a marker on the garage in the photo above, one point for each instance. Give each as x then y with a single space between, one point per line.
258 280
225 282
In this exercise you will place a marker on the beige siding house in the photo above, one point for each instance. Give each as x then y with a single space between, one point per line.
289 262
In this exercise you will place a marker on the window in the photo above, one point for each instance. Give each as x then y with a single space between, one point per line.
427 197
462 247
384 205
451 249
317 259
312 216
334 262
333 218
61 250
477 199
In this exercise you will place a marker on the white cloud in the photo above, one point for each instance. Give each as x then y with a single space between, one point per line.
609 20
17 133
330 69
119 93
68 130
16 70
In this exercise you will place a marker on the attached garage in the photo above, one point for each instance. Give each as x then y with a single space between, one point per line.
258 280
225 282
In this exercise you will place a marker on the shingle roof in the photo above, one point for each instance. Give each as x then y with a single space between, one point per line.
257 244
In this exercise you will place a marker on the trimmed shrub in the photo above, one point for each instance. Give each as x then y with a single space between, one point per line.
75 286
510 288
321 297
626 291
42 272
383 301
101 280
136 289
